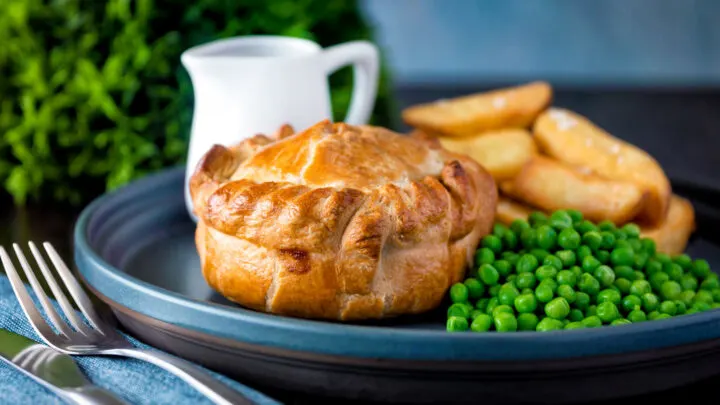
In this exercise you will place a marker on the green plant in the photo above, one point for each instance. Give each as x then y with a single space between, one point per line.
92 93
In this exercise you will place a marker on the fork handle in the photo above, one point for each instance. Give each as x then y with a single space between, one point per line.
199 379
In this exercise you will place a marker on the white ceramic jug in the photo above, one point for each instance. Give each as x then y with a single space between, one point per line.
249 85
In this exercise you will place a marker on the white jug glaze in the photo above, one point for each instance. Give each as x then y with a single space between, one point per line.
249 85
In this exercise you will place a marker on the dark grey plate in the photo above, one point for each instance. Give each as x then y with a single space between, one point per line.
135 250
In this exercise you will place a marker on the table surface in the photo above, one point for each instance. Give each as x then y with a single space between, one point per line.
680 128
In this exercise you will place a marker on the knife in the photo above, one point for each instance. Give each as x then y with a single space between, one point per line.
56 371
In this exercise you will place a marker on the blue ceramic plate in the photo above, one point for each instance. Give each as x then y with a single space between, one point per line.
134 248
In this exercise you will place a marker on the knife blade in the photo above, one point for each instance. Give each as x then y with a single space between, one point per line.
56 371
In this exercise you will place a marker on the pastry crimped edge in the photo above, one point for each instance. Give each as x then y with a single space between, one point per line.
333 252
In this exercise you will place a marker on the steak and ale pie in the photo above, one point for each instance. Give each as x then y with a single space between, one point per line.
338 221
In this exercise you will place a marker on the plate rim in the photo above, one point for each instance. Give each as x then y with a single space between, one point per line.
388 342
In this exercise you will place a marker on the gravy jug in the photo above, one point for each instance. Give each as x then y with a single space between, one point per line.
254 84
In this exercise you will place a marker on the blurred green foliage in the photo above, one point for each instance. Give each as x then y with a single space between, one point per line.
92 93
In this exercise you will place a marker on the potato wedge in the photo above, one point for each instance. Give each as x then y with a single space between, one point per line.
513 107
551 185
672 235
503 153
572 138
509 210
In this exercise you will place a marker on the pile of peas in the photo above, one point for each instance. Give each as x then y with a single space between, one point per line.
564 272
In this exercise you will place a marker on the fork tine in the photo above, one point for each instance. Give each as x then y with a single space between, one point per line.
26 303
60 297
77 292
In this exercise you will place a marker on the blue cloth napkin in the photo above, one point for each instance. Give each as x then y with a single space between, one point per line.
135 381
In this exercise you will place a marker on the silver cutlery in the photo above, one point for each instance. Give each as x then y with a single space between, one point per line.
54 370
96 337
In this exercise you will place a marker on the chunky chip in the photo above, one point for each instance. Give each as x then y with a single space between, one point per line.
515 107
509 210
503 153
672 235
551 185
572 138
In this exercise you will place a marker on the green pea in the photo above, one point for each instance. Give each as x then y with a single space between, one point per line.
475 288
567 258
603 256
632 230
525 303
503 267
459 293
576 315
482 304
500 309
544 293
691 311
518 225
670 290
457 324
583 252
550 283
528 238
639 275
511 279
545 272
650 302
537 218
577 271
625 272
509 240
637 315
585 226
560 219
700 268
540 254
653 315
623 285
488 274
566 277
593 240
640 287
668 307
681 307
620 321
459 309
569 239
652 267
546 237
663 258
567 292
493 243
592 321
525 280
481 323
475 313
507 294
648 246
715 295
604 275
620 235
674 271
701 306
575 325
557 308
622 257
582 300
606 225
527 264
589 264
640 260
688 282
663 316
608 240
499 229
658 279
636 246
687 297
494 290
591 310
505 322
684 261
554 261
609 295
492 303
527 321
607 311
484 256
510 257
575 215
710 284
589 284
631 303
703 296
549 324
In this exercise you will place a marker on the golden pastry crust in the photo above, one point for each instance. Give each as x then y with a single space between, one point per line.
338 221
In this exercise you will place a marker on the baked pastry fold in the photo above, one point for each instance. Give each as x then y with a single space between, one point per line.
338 221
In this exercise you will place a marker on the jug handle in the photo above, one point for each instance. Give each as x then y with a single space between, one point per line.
364 57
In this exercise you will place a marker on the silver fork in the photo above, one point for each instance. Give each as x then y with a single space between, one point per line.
96 337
